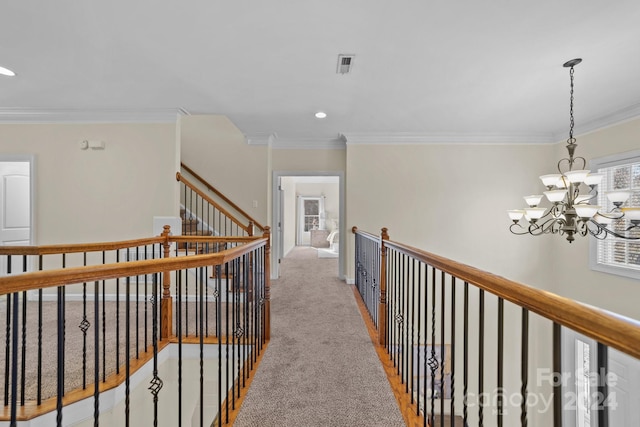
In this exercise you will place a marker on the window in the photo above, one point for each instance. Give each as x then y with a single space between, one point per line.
311 214
618 256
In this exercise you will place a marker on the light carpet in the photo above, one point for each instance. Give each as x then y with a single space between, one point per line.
327 253
320 368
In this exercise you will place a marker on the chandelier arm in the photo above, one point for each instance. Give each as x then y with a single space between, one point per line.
568 161
602 229
613 214
581 227
599 233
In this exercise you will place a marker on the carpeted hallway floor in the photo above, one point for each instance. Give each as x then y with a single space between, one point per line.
320 368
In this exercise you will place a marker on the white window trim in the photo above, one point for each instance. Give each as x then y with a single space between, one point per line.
594 165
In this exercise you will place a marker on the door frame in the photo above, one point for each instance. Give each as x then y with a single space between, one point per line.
276 205
29 158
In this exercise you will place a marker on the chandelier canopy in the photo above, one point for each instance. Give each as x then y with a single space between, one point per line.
571 212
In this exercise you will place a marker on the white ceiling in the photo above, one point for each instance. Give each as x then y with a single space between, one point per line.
445 70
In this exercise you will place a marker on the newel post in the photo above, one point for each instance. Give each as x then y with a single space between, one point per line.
382 307
267 284
166 315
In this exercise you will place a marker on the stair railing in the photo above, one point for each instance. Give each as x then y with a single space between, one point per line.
241 219
457 339
131 300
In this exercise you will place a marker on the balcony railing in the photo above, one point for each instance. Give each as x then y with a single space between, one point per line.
81 321
481 349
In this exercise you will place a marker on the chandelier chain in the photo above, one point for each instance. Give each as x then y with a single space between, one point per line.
571 140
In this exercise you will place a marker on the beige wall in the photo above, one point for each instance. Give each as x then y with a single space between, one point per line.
450 200
213 147
97 195
308 160
572 275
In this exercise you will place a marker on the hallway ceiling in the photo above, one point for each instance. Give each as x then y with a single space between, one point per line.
423 69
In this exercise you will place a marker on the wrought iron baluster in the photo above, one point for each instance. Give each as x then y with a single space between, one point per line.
96 346
465 374
391 286
117 317
524 374
417 363
426 346
201 342
433 361
7 350
411 315
24 337
84 327
227 333
197 282
452 410
179 335
404 327
60 358
186 295
39 380
557 367
23 365
156 382
206 288
500 396
442 341
14 357
104 325
602 361
127 345
481 359
219 334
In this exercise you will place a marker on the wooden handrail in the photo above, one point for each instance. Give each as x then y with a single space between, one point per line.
610 329
366 234
78 247
212 239
228 214
59 277
222 196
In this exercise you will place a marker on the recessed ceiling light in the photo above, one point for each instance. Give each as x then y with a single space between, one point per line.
321 115
6 72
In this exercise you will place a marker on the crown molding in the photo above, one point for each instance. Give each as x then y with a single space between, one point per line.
617 117
150 115
277 143
260 138
309 143
445 138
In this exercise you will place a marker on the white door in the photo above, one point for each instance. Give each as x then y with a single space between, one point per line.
623 384
15 208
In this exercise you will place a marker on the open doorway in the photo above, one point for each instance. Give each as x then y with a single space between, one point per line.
308 210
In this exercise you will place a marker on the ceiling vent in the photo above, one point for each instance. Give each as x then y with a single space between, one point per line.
345 63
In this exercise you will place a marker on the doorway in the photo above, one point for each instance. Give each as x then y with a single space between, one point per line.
306 203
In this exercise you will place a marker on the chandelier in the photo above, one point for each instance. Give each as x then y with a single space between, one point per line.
570 193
